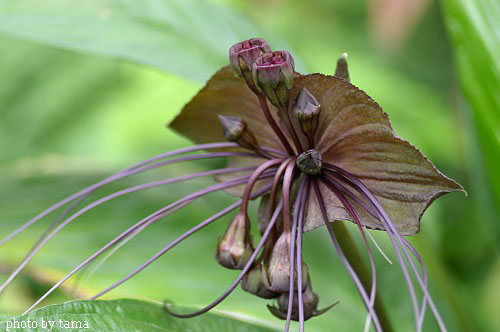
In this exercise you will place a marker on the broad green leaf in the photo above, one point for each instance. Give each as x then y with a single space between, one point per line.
54 99
185 37
474 29
122 316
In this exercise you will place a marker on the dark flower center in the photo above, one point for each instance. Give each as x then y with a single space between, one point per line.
310 162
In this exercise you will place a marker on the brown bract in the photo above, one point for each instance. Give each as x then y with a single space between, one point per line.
353 133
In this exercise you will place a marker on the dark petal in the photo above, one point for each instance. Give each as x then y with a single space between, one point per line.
227 95
356 135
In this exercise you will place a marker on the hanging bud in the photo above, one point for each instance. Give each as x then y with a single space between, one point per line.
273 74
236 130
306 109
253 282
242 56
310 162
310 300
278 274
235 248
342 70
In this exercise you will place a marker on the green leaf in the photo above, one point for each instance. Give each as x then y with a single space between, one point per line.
185 37
474 29
124 315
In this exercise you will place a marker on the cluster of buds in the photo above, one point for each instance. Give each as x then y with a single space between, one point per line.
267 72
271 74
269 277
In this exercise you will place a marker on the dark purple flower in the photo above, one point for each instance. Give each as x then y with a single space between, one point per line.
323 152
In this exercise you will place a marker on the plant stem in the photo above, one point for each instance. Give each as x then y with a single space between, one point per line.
353 255
272 123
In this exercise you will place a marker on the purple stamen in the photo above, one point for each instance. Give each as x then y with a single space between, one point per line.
303 207
287 182
141 224
128 172
393 232
332 186
276 182
346 263
253 179
177 241
144 222
389 232
292 252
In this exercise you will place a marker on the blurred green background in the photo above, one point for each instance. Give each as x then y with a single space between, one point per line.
86 88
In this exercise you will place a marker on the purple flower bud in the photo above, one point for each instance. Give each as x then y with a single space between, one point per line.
306 109
242 56
273 74
310 300
235 248
236 130
253 282
278 274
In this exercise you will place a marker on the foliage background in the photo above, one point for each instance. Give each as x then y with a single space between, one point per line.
86 88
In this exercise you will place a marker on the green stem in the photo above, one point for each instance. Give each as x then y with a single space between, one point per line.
354 257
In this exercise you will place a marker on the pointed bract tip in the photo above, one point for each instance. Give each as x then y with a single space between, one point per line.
342 70
236 130
310 301
307 110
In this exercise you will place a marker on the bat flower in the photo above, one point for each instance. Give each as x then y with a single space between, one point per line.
315 150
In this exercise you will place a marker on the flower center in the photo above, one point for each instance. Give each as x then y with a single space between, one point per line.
310 162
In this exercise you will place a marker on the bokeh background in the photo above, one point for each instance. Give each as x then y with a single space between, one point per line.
87 87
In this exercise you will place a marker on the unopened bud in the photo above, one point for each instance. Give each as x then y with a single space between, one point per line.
310 162
236 130
342 70
273 74
306 109
310 300
278 274
242 56
253 282
235 248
